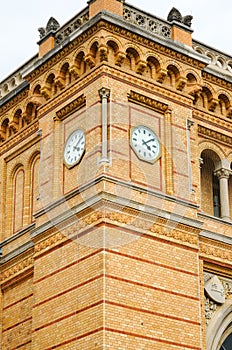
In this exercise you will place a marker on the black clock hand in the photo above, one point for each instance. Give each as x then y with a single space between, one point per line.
75 147
146 143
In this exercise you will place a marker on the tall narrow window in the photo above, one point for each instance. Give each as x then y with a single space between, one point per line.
216 197
210 189
18 207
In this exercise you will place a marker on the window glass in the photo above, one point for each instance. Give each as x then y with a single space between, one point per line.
227 345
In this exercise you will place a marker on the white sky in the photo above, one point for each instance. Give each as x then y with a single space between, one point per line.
20 20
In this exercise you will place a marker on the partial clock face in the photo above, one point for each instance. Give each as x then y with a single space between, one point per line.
145 144
74 148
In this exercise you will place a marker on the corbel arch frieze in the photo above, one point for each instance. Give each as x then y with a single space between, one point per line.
48 85
156 63
224 92
77 59
118 48
136 48
118 44
195 73
156 56
207 145
225 103
92 51
175 71
63 76
209 97
137 58
194 83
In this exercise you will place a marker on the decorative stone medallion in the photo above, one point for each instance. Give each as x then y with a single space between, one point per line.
215 290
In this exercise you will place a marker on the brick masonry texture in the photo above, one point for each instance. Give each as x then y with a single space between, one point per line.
112 253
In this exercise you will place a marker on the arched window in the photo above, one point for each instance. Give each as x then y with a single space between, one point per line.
18 199
227 343
210 191
35 168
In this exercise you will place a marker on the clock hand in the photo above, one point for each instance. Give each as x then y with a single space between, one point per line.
75 147
146 144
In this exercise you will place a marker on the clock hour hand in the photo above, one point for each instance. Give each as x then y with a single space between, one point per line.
146 144
75 147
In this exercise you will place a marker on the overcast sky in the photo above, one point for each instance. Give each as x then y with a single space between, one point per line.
20 20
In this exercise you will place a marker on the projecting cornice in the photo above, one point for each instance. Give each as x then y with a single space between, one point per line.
215 135
145 101
115 25
70 108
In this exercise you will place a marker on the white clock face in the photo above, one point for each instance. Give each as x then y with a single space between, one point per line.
145 144
74 148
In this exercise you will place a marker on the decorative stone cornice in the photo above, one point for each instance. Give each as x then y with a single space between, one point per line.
216 80
49 242
214 135
70 108
17 269
148 102
17 138
14 101
102 21
215 253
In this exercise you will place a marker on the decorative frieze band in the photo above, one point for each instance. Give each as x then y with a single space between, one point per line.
146 101
72 107
215 135
17 269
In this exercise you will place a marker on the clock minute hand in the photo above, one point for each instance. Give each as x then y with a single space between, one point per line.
75 147
146 143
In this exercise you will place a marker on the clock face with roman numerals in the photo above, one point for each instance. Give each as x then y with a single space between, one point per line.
145 144
74 148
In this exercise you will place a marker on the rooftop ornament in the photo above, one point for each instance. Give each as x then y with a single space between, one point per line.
51 27
175 15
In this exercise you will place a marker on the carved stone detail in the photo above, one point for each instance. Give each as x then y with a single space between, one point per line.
213 104
72 107
220 289
120 57
175 15
141 66
17 268
215 135
161 75
216 253
49 242
181 82
51 26
210 309
223 173
147 102
150 23
89 59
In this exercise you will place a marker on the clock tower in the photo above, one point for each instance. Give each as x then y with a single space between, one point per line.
108 220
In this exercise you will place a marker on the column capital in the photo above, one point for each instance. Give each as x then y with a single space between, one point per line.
104 93
223 173
190 123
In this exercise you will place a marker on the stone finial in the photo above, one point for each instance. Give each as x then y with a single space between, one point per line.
175 15
51 26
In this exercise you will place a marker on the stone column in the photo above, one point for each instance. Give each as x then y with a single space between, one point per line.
104 94
223 176
189 124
